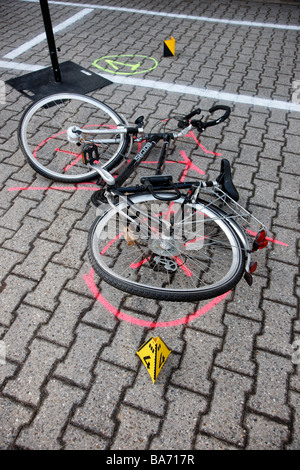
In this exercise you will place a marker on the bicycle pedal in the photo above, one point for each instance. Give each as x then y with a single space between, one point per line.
90 154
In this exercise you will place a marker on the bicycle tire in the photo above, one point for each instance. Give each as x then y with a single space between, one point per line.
108 258
42 135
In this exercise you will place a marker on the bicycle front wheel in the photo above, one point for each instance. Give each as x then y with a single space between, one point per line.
164 250
43 136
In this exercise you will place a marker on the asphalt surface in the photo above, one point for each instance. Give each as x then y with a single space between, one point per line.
70 377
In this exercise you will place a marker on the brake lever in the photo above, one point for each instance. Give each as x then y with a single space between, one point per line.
184 122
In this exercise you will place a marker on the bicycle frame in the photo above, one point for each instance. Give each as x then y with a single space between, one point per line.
163 188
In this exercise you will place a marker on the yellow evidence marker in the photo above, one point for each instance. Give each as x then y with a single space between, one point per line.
169 47
153 355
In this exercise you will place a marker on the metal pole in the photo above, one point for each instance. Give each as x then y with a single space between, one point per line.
50 39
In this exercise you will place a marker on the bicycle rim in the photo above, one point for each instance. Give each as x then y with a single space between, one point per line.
167 250
43 136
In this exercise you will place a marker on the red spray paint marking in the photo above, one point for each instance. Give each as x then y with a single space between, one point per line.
89 280
182 266
272 240
111 243
188 165
139 263
56 188
191 134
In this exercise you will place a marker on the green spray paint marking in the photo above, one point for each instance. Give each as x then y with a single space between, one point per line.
126 64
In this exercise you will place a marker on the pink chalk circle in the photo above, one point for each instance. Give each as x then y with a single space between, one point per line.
90 282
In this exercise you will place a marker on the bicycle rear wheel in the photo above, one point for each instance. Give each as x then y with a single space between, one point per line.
43 137
173 251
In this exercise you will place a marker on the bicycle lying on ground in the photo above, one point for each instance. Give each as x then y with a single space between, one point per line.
159 239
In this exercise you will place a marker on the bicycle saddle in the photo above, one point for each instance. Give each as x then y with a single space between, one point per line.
225 180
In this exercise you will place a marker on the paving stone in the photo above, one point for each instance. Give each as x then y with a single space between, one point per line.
194 370
236 354
60 226
271 400
61 326
33 266
5 234
287 213
265 191
79 361
19 335
14 416
126 341
25 236
265 434
227 425
45 430
49 287
276 334
289 186
99 409
15 215
178 433
77 439
135 429
26 387
147 397
73 251
7 370
204 442
15 289
277 290
48 208
294 400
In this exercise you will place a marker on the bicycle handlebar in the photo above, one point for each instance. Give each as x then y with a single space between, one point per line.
201 126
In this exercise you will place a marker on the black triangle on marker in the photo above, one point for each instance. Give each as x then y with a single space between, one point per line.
167 52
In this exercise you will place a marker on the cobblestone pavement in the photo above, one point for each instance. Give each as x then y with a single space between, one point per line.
71 378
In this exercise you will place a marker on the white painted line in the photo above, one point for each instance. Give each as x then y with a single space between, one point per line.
4 64
213 94
173 88
41 37
175 15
